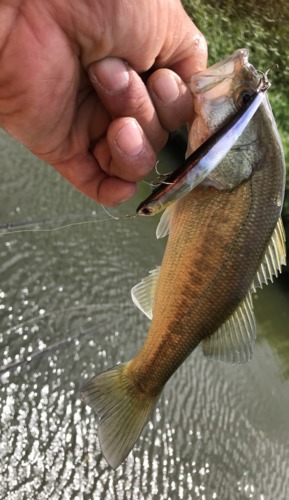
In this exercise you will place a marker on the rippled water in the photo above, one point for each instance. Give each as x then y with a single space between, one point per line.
219 431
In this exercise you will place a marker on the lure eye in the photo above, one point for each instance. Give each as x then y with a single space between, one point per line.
149 207
145 211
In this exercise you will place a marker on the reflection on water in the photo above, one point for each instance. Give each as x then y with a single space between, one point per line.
272 309
219 431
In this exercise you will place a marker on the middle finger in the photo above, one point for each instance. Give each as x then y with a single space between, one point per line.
124 94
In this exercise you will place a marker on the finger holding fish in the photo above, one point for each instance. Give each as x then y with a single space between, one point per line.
124 94
172 98
143 114
125 152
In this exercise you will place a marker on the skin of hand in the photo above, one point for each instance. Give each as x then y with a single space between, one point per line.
75 90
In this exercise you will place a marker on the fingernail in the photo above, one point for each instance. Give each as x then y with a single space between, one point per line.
166 89
130 139
111 73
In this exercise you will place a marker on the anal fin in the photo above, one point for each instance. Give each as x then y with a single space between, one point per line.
234 341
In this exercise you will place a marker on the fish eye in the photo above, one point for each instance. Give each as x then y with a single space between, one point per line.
244 97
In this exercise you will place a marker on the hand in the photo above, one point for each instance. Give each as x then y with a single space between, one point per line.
72 85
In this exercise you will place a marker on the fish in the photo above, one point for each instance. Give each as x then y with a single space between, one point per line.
225 240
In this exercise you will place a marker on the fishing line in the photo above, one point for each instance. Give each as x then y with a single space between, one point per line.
5 228
121 217
54 219
57 312
52 347
36 230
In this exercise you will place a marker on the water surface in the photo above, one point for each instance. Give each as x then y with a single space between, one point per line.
219 431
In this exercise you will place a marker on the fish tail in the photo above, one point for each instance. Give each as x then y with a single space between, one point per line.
123 411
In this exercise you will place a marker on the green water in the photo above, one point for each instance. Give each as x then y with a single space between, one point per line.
219 431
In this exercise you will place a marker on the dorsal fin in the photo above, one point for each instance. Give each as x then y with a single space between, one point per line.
143 293
234 341
274 258
163 228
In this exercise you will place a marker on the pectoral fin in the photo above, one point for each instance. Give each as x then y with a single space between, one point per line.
163 228
234 341
274 258
143 293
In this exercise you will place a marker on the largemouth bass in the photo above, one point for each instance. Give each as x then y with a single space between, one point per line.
225 239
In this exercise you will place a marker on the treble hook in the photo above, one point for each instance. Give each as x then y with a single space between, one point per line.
161 179
264 80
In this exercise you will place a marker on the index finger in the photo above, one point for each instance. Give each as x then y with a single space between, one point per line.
85 174
190 53
195 62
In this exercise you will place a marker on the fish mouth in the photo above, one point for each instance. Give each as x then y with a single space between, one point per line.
220 74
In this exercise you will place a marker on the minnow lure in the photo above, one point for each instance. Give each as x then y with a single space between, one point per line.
206 157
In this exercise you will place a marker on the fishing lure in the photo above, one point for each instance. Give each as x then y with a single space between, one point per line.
206 157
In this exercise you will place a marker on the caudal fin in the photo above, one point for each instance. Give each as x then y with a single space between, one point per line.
123 412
